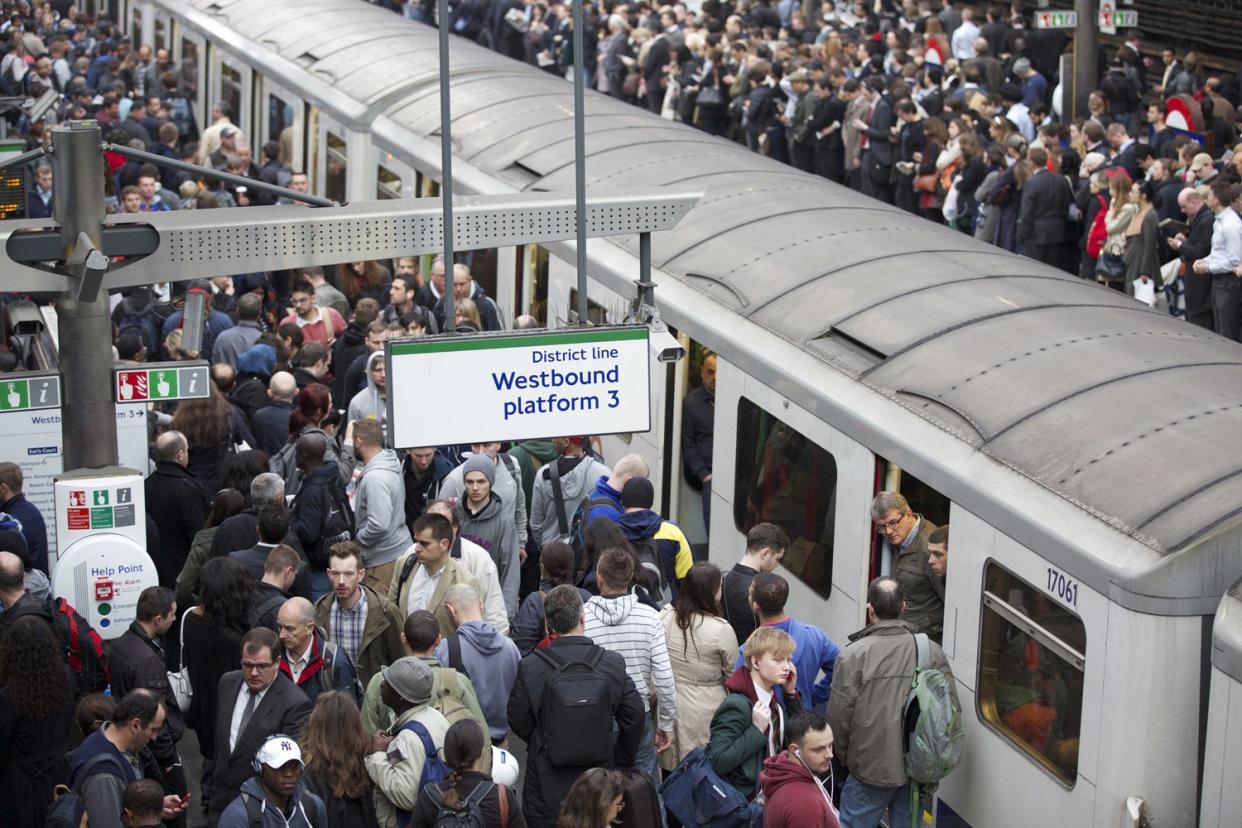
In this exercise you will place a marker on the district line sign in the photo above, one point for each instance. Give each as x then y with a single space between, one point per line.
518 386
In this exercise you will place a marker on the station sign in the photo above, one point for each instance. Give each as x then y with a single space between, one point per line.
161 381
1056 20
518 386
1118 19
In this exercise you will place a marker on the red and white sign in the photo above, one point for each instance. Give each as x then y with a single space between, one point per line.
104 590
77 498
131 386
79 518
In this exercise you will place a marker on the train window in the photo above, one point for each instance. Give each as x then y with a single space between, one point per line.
189 77
231 91
596 313
161 37
387 184
279 119
338 160
784 478
1031 659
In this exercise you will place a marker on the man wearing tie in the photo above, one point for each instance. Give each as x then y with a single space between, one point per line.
255 702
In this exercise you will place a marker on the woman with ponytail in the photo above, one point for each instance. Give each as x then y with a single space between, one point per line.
311 407
464 745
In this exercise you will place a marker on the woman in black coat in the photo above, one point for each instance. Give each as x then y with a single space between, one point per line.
36 714
463 753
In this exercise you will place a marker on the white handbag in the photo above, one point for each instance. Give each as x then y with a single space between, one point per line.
179 679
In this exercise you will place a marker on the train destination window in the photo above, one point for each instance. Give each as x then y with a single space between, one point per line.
784 478
1031 659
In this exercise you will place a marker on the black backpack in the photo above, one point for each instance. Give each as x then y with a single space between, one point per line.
68 810
578 524
575 712
652 575
139 322
468 815
338 526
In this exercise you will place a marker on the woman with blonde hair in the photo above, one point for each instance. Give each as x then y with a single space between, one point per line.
334 747
465 310
1110 269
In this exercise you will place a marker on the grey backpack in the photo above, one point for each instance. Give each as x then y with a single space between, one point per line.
933 720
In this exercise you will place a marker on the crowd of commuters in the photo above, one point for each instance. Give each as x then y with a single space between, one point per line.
951 110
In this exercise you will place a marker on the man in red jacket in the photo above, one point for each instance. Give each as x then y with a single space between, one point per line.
793 785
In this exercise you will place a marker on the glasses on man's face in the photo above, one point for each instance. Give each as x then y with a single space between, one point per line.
257 666
886 525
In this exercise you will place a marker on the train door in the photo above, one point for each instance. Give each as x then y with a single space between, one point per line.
282 117
133 21
189 53
163 30
232 83
686 491
774 462
329 157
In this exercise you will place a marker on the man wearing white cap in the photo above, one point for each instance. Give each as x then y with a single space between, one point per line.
276 797
395 763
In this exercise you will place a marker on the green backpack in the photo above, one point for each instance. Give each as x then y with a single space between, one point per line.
933 721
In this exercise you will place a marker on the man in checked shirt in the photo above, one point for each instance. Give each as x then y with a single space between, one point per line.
365 624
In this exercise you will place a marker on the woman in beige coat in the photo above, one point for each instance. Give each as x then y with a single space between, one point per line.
703 649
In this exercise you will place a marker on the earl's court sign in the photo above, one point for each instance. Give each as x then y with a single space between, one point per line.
518 386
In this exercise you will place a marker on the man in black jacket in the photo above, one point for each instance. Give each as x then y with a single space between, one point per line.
137 662
1043 215
255 702
1197 287
177 503
826 123
321 516
271 422
698 425
546 783
877 130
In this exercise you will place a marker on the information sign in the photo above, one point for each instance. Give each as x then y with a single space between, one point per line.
163 381
1056 20
518 386
29 392
1118 19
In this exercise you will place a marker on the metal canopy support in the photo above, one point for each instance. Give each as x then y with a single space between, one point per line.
187 244
446 169
580 162
1086 69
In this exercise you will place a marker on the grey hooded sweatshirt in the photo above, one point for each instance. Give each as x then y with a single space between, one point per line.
369 403
491 662
493 529
379 510
576 483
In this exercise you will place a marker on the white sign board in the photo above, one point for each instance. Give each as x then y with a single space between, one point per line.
32 440
1056 20
518 386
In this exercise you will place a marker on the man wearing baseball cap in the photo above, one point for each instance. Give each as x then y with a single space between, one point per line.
397 756
276 797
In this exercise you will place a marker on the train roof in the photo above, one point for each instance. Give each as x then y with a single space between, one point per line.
1126 412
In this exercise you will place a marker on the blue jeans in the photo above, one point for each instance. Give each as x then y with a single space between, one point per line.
862 805
319 584
645 760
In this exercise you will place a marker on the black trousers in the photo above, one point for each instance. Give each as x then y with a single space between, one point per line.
1227 304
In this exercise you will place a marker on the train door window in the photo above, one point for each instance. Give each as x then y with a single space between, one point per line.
1031 659
191 74
537 278
782 477
923 500
596 313
387 184
232 92
161 30
283 124
135 22
336 159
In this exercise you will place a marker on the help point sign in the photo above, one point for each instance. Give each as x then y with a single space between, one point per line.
518 386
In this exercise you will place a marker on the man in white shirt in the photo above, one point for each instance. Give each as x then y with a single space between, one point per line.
1224 258
426 573
964 36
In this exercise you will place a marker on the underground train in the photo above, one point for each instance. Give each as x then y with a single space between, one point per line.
1078 443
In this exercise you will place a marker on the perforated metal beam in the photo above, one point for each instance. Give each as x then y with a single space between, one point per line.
200 243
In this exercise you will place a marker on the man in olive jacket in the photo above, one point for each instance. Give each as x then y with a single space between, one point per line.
357 618
870 684
906 532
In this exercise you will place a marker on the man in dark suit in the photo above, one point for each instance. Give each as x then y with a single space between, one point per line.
256 702
910 140
1043 215
176 501
658 56
1191 246
826 123
878 133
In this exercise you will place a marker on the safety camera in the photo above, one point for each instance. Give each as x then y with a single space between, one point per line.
665 346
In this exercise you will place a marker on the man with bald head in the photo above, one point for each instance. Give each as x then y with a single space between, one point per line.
271 422
321 516
313 663
176 502
1195 244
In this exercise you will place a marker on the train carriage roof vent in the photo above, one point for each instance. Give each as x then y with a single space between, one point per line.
848 353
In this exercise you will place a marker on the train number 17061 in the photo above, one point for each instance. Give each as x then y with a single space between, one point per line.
1062 587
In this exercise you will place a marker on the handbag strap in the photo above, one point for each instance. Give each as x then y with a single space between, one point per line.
181 651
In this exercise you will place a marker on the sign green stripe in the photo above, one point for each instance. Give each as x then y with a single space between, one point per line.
470 343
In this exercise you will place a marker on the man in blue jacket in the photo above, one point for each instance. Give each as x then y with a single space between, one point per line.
814 652
605 499
276 797
13 501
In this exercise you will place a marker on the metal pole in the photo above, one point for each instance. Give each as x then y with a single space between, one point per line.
446 168
580 162
1086 46
88 414
644 259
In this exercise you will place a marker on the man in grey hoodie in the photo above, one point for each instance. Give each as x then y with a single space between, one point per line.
486 519
551 515
379 505
371 402
489 659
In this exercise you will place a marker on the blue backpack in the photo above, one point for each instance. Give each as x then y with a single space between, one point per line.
434 769
696 795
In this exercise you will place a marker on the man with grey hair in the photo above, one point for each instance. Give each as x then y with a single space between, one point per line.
486 657
314 663
242 530
241 336
1195 244
905 535
176 502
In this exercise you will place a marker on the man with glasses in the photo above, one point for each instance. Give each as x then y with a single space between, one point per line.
906 534
256 702
365 624
317 324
